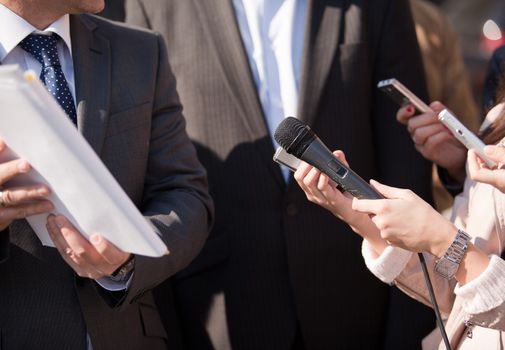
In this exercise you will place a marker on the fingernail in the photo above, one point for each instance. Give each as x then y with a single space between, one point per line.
60 221
410 109
23 167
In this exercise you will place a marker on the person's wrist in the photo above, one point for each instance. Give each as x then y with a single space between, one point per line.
449 264
358 222
447 235
124 269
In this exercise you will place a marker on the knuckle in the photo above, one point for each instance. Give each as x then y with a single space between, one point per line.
8 197
80 252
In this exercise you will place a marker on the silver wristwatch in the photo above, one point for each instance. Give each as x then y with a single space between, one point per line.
123 273
447 265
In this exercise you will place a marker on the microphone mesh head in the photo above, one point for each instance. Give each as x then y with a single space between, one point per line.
293 135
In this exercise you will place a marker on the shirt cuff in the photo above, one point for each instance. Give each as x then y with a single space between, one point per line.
389 264
485 292
114 286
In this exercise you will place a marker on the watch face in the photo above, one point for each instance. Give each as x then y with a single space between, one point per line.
446 268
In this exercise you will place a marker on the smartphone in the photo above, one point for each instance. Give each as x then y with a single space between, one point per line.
401 95
465 136
284 158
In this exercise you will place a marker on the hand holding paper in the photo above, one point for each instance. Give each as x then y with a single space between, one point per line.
23 201
94 259
81 187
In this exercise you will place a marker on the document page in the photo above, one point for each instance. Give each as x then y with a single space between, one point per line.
35 128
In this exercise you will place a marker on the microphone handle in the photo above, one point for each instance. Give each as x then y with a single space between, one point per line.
319 156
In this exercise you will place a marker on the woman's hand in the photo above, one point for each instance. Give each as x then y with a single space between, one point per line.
405 220
433 140
479 171
321 190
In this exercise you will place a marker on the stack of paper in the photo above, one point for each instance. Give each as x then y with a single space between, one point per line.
35 128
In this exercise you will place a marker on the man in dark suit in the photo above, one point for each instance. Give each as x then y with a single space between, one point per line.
128 110
278 272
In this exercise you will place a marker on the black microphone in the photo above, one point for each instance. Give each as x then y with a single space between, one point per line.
299 140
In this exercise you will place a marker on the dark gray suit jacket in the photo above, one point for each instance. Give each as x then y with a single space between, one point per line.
129 111
273 260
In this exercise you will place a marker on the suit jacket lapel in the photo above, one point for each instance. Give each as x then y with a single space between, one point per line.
92 67
219 21
322 35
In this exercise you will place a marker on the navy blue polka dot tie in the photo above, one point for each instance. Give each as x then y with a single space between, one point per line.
43 49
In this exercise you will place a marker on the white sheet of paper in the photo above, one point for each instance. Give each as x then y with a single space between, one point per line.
35 128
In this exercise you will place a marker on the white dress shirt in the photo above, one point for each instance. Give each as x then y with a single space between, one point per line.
13 29
272 32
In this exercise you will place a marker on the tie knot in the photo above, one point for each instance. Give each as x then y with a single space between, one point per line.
42 48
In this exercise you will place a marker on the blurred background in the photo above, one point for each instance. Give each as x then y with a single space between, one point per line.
480 25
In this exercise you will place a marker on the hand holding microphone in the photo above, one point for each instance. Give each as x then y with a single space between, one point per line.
314 176
299 140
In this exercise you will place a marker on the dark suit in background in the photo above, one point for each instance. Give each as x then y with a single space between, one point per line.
276 265
114 9
129 112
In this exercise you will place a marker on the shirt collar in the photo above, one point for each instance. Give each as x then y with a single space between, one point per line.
13 29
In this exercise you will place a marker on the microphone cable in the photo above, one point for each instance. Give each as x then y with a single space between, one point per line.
434 303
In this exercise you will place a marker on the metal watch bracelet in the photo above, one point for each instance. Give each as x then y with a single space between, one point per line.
448 264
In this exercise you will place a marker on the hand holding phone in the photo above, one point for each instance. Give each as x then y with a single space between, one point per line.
465 136
425 129
401 95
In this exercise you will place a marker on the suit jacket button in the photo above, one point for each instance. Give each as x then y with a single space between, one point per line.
291 209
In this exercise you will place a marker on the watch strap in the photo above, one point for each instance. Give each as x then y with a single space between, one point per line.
124 270
454 254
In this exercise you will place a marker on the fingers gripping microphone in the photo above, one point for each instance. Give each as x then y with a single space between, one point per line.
299 140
